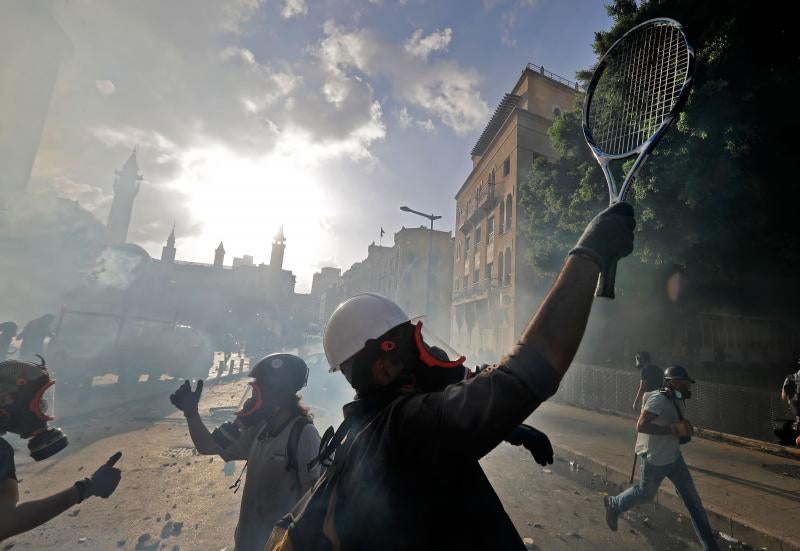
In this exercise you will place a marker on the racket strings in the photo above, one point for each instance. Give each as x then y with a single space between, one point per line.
638 88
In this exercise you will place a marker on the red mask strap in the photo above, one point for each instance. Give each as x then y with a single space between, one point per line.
429 359
255 407
34 405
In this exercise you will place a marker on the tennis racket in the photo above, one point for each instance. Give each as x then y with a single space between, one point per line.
636 91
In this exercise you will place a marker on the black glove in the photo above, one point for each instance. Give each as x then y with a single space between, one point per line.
103 482
609 236
185 399
535 441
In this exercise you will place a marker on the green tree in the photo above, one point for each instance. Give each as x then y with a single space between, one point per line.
717 199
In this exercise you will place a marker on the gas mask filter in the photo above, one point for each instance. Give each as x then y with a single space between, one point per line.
28 414
226 434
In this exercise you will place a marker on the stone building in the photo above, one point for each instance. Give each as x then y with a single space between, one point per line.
493 296
400 273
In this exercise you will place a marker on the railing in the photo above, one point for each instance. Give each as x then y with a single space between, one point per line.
552 76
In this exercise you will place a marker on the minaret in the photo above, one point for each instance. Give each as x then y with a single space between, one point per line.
278 248
126 186
219 256
168 251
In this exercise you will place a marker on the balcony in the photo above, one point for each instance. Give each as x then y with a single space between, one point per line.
475 291
478 207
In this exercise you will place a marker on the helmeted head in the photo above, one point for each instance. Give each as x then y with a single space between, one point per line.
373 342
677 378
278 379
24 408
642 358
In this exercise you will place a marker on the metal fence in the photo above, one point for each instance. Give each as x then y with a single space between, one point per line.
731 409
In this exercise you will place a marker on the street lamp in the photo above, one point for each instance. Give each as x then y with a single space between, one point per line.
432 218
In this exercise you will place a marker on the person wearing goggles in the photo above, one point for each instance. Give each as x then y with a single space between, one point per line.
25 411
273 432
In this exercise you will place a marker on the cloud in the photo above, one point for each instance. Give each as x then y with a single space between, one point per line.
507 22
176 78
105 87
422 46
293 8
442 88
405 120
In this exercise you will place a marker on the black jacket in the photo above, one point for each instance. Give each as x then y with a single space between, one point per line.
410 477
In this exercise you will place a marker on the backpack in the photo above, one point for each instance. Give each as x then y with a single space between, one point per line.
291 447
310 525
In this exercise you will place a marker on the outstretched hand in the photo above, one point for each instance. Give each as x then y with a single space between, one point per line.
535 441
186 399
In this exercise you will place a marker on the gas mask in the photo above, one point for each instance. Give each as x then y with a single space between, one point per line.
30 390
253 410
426 368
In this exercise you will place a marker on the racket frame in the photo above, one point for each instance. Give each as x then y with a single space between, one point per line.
605 285
643 151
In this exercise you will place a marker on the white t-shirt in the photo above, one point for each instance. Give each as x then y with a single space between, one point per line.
660 449
270 491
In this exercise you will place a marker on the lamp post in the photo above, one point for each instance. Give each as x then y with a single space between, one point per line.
432 218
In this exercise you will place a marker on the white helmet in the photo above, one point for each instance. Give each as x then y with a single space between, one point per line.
357 320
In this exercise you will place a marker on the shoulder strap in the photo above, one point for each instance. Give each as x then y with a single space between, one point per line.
292 444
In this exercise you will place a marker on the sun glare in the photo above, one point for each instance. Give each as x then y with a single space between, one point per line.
242 201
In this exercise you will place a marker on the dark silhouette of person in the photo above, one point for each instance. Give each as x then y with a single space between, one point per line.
33 336
8 330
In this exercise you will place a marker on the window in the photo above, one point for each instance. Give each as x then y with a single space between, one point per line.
469 207
466 247
488 273
456 283
507 277
491 177
475 277
507 166
466 283
490 229
500 267
458 251
477 238
502 217
509 206
556 112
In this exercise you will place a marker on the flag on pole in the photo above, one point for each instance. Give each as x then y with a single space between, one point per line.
382 232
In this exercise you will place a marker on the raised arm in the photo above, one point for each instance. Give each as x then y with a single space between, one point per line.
187 400
474 416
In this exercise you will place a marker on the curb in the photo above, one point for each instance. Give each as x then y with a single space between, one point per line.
735 526
713 435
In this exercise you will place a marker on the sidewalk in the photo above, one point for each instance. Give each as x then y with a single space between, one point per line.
746 493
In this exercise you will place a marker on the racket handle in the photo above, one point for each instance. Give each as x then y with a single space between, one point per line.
605 283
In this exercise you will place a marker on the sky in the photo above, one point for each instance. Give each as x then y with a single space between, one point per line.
324 116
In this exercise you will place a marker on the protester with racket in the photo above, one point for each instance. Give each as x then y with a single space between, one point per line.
636 92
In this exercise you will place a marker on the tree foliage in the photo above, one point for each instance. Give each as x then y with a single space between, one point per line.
717 200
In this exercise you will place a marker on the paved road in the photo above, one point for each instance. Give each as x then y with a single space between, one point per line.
174 500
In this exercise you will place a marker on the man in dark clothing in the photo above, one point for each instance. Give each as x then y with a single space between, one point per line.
33 336
651 377
405 472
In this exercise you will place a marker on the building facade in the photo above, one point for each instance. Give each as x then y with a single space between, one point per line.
400 273
492 291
